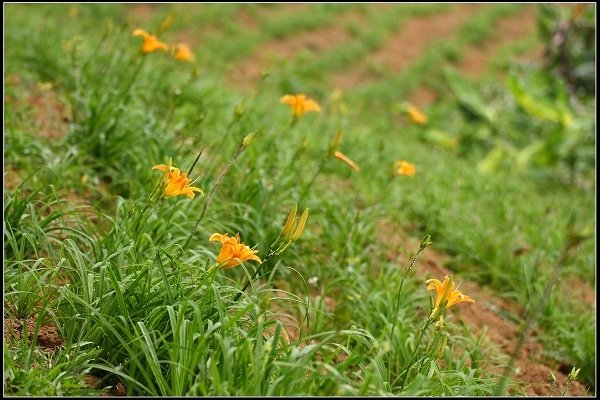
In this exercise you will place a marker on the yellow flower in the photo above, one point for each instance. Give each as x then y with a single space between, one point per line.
177 183
183 53
300 104
151 42
404 168
416 116
446 291
165 168
232 251
341 156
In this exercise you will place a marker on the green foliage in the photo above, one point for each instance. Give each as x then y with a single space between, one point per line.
570 40
539 128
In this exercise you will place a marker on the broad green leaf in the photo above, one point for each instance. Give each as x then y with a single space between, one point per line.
469 97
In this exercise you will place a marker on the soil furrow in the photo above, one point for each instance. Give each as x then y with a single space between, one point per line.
247 72
404 47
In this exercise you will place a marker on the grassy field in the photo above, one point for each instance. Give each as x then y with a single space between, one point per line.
450 152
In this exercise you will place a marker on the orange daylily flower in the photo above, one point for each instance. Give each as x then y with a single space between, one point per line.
404 168
177 183
341 156
446 291
416 116
183 53
233 252
300 104
151 42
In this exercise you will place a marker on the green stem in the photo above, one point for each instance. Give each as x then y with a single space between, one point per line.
412 361
271 254
148 203
239 151
414 260
314 177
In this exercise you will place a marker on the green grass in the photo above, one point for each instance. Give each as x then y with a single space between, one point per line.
89 250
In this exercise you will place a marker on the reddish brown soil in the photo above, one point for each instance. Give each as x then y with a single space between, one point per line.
474 62
11 179
422 97
139 14
49 115
247 20
483 315
48 336
280 305
581 290
508 30
246 73
97 383
267 11
405 46
49 112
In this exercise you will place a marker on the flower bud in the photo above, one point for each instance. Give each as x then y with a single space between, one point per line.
248 139
289 223
301 224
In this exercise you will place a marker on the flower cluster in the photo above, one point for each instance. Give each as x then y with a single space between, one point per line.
150 44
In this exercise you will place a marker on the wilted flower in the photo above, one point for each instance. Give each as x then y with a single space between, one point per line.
404 168
445 292
183 53
416 116
341 156
233 252
151 42
177 183
300 104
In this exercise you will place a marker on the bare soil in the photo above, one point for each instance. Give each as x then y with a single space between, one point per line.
405 46
509 29
246 73
48 337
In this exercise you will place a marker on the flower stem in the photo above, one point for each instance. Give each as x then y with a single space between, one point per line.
239 151
324 159
268 256
412 361
414 260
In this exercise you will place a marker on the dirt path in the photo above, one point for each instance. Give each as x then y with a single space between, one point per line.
509 29
406 46
475 61
246 73
50 114
399 51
